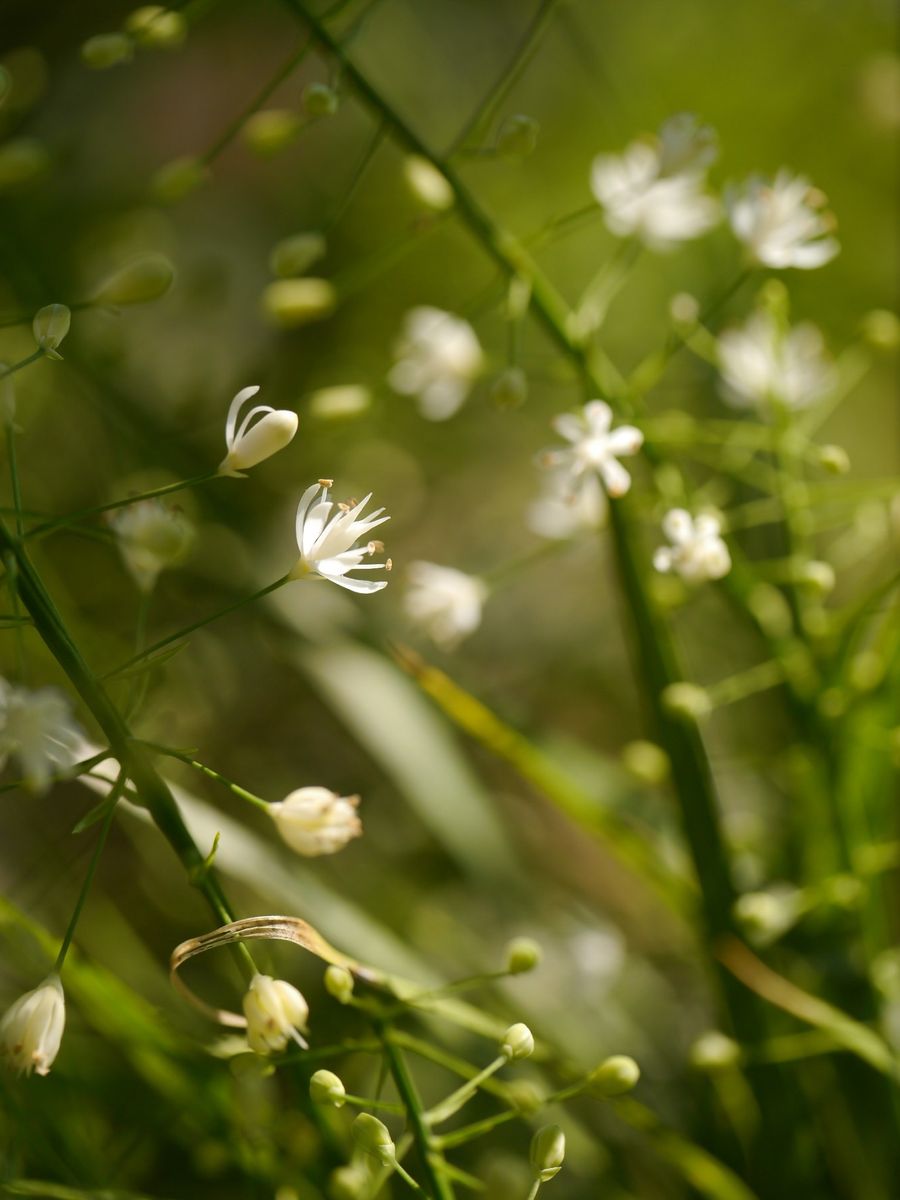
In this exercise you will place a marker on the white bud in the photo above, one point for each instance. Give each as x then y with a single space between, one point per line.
296 254
32 1028
50 325
373 1136
276 1014
327 1088
145 278
315 821
615 1075
548 1150
290 303
427 183
714 1051
517 1042
340 402
262 432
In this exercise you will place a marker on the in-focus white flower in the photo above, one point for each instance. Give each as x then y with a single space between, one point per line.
766 365
595 447
314 820
151 537
32 1028
783 222
438 357
697 552
276 1014
38 730
327 540
562 511
447 603
252 441
655 190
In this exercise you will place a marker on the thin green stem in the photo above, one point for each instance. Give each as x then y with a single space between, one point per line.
535 1188
455 1101
234 788
15 484
25 362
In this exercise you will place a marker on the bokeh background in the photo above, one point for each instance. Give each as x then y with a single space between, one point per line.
460 851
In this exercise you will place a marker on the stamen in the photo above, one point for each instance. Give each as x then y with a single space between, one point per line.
325 483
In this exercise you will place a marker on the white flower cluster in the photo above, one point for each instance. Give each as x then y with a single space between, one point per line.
765 365
38 730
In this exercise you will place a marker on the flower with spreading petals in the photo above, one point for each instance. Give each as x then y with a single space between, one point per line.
438 357
447 603
595 447
276 1014
151 537
783 222
32 1028
327 535
37 728
697 552
315 821
764 364
252 441
560 512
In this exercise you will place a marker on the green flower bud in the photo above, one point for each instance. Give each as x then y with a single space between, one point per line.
525 1096
548 1150
766 915
770 609
714 1051
50 325
22 160
270 130
295 255
349 1183
143 279
817 576
881 329
522 954
335 403
319 100
107 50
684 309
339 983
615 1075
518 135
687 701
427 183
646 762
510 388
290 303
834 459
517 1042
157 27
327 1088
178 178
373 1136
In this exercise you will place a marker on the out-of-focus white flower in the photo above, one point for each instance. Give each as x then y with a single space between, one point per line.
654 190
37 728
314 820
151 537
447 603
764 364
783 222
253 441
697 552
276 1014
32 1028
595 447
438 357
327 543
561 511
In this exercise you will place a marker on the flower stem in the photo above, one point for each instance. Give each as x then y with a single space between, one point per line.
11 573
24 362
169 752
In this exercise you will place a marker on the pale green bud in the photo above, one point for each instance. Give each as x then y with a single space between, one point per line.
526 1097
270 130
517 1042
107 50
687 701
327 1088
290 303
145 278
373 1136
684 309
615 1075
22 160
178 178
548 1150
295 255
50 325
881 329
774 296
350 1182
867 670
646 762
157 27
427 183
834 459
766 915
817 576
335 403
770 609
522 954
339 983
518 135
714 1051
319 100
510 388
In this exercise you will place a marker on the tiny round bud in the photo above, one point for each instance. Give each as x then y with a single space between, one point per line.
50 325
144 279
615 1075
510 388
157 27
319 100
714 1051
881 329
518 135
290 303
646 762
548 1150
518 1042
339 983
22 160
834 459
327 1088
427 183
684 309
687 701
336 403
107 50
522 954
373 1136
179 178
817 576
270 130
295 255
766 915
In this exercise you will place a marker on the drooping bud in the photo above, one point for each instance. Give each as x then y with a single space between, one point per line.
522 954
315 821
21 160
276 1013
270 130
290 303
517 1042
510 388
178 178
373 1136
253 441
339 982
319 100
296 254
107 50
615 1075
327 1088
32 1028
50 325
427 183
143 279
157 27
548 1150
518 135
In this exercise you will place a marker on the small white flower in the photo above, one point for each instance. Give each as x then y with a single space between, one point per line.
783 221
697 552
327 543
595 447
32 1028
315 821
764 364
38 729
253 441
438 357
447 603
276 1014
561 512
151 537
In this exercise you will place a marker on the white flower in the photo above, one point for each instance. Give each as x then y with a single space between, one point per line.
561 511
447 603
151 537
783 222
276 1014
32 1028
327 543
654 190
252 442
764 364
314 821
697 552
595 447
37 728
438 357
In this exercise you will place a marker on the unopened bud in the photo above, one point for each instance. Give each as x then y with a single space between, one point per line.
684 309
327 1088
107 50
522 954
834 459
766 915
510 388
881 329
50 326
295 255
350 1182
339 983
427 183
319 100
22 160
336 403
518 135
548 1150
687 701
373 1137
157 27
518 1042
270 130
290 303
525 1096
714 1051
646 762
144 279
179 178
615 1075
817 576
